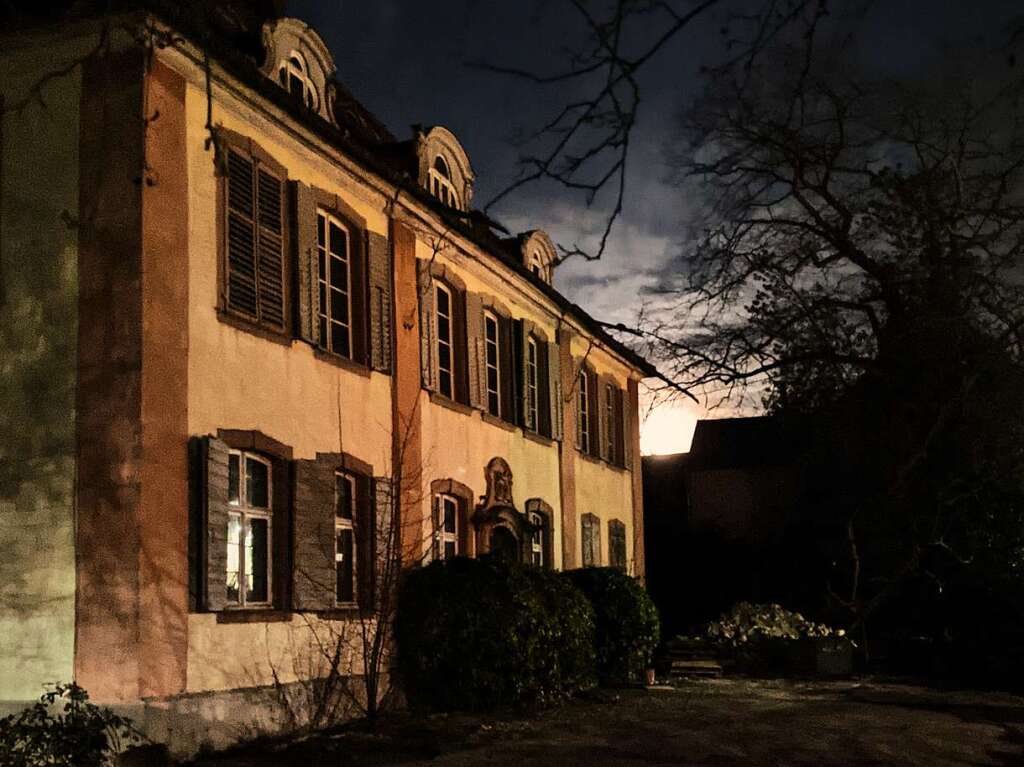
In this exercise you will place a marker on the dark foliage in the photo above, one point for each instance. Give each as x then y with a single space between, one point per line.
626 621
81 733
475 634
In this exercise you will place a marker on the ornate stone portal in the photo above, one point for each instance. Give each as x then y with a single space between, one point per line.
500 528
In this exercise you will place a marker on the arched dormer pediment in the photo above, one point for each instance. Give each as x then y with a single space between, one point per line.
444 168
538 254
298 60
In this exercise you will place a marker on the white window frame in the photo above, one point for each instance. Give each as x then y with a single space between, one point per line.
537 539
583 411
537 266
490 319
532 382
244 512
448 342
440 185
443 536
323 276
294 65
340 524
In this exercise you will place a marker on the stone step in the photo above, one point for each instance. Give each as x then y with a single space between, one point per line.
698 668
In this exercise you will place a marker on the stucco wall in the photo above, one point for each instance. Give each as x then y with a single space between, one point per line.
38 300
239 380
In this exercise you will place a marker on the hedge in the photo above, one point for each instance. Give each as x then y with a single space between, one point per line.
474 634
626 622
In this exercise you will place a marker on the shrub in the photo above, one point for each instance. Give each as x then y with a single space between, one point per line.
81 734
749 623
475 634
626 620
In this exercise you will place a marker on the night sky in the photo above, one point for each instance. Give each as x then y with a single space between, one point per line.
412 63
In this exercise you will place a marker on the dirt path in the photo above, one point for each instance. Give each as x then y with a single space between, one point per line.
720 722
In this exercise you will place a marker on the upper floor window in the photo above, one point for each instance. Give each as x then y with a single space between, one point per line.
293 74
440 182
537 266
492 360
532 382
445 351
344 537
334 283
249 529
611 423
447 526
583 412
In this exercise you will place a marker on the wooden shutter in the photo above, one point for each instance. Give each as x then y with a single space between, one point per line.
543 389
386 540
241 236
428 318
519 357
359 321
628 414
378 251
460 347
506 359
304 238
215 519
476 351
604 432
554 373
619 433
270 237
313 568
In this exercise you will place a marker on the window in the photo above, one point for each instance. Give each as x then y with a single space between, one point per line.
445 351
583 412
249 529
532 377
292 74
334 282
439 179
537 266
591 540
617 545
492 360
344 536
537 540
254 240
447 523
611 422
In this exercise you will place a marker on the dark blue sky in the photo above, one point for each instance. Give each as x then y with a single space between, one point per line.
408 63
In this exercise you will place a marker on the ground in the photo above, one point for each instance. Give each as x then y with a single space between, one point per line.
714 722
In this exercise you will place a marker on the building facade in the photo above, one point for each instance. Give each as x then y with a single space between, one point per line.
243 328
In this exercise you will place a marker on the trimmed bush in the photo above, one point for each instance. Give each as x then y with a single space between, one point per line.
474 634
626 620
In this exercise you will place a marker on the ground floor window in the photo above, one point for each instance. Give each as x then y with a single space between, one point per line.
447 526
591 540
249 529
617 545
344 537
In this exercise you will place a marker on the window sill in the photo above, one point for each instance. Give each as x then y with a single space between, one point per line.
254 615
341 362
599 461
538 438
443 401
499 422
249 326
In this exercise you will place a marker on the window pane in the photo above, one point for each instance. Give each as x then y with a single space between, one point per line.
492 330
345 588
340 340
257 551
256 484
339 306
443 329
234 554
444 357
233 481
449 549
445 383
321 223
449 515
339 274
492 379
343 495
339 240
443 306
321 264
493 404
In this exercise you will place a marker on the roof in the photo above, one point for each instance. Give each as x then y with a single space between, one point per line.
366 140
726 443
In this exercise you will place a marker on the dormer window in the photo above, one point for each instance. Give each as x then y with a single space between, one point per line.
440 178
538 254
537 266
293 75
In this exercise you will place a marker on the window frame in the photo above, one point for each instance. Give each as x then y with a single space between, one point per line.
340 525
532 383
439 289
442 536
440 185
584 437
324 303
294 66
537 557
245 512
610 423
491 319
